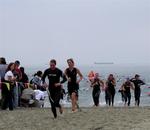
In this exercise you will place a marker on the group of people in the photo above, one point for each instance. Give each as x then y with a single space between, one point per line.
18 90
134 84
10 74
55 85
109 87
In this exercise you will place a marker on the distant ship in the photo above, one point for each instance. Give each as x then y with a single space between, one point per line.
103 63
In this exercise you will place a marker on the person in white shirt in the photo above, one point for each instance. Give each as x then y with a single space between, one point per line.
9 76
39 96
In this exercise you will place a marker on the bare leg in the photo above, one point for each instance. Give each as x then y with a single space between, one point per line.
74 101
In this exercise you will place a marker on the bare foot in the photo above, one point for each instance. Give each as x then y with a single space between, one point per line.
61 110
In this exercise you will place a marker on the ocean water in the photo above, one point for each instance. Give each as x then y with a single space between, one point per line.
121 72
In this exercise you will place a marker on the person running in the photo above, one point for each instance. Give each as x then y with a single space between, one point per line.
73 83
96 84
106 95
137 91
126 88
54 90
7 88
110 84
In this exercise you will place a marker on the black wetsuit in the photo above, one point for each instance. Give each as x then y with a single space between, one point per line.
122 95
137 91
110 92
106 96
73 86
55 92
96 92
127 93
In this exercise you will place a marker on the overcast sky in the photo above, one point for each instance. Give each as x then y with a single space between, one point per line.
34 31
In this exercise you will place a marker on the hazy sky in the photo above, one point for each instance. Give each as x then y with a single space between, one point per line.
34 31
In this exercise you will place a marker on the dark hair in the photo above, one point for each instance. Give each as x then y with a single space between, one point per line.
2 60
70 60
111 75
17 62
53 61
9 67
39 73
137 76
22 69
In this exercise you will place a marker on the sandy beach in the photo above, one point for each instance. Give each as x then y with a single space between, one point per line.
87 119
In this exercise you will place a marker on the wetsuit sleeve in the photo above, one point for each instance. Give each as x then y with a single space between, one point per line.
65 73
132 79
44 76
141 82
64 79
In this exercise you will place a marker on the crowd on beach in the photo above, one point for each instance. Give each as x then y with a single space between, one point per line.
16 90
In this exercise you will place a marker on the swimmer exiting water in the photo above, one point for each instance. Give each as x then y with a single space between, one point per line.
96 84
126 88
137 91
73 83
55 86
110 89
